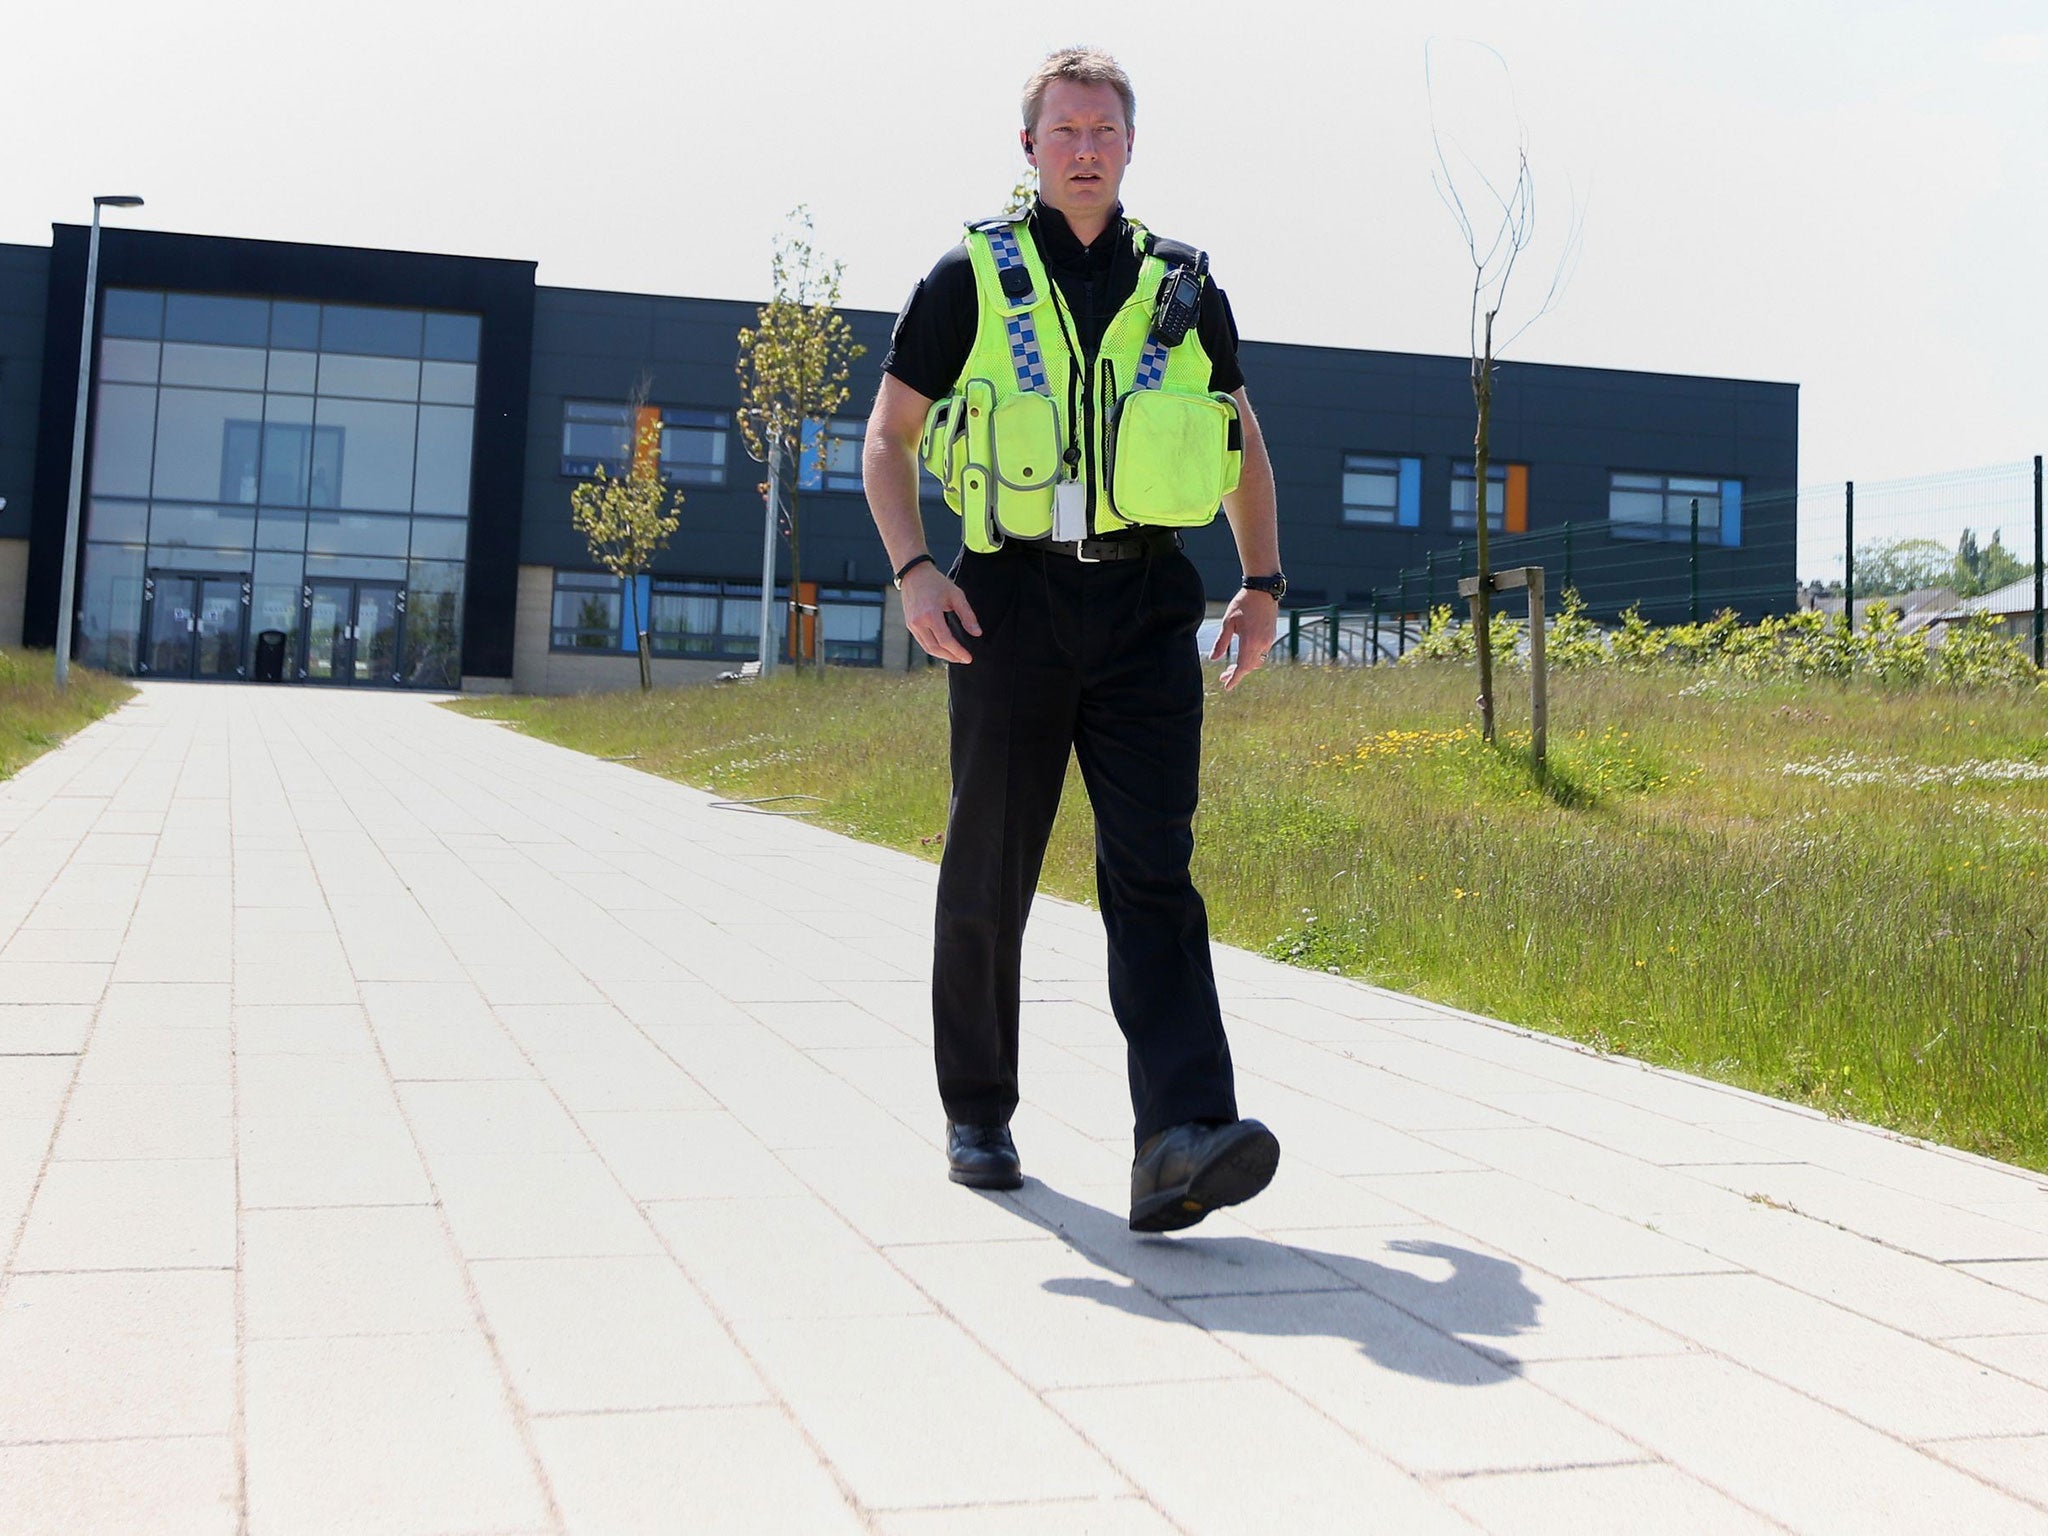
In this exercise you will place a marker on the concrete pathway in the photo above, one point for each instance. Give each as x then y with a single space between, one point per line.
406 1126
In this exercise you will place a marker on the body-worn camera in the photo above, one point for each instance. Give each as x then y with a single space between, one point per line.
1179 302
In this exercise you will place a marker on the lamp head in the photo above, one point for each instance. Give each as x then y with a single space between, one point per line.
117 202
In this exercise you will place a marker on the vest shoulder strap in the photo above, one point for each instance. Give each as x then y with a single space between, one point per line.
1013 273
1175 253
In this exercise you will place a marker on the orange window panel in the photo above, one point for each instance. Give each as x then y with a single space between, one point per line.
647 440
1518 498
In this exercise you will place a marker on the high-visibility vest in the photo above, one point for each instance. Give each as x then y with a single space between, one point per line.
1135 430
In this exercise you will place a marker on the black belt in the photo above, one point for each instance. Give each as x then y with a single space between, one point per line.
1128 546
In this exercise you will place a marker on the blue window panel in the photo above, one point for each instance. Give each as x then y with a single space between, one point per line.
1731 514
295 327
454 338
633 604
131 312
1411 493
210 317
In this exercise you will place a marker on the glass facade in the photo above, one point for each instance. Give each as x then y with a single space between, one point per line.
311 460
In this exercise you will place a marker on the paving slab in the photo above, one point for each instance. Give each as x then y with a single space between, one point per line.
408 1126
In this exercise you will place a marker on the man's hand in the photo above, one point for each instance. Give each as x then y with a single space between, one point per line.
928 596
1252 619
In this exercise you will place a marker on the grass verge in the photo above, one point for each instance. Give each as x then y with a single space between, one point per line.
1825 892
35 717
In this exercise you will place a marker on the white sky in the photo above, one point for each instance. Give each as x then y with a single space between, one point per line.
1849 196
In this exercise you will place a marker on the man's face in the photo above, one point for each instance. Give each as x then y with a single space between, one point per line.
1081 147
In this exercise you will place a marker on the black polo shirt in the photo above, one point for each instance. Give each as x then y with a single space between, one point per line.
935 332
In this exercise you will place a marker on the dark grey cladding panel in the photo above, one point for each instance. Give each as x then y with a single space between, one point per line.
24 277
1571 425
689 347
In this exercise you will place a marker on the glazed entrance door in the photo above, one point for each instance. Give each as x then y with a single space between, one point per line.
352 632
379 606
196 624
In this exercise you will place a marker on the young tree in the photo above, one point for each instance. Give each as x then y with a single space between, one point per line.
627 519
1023 194
1504 225
1889 566
1980 570
793 367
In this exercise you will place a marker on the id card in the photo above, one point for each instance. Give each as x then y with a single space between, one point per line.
1069 510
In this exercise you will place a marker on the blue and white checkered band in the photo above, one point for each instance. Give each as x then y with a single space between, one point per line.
1024 353
1151 365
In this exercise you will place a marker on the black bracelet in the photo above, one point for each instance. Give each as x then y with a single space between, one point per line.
910 565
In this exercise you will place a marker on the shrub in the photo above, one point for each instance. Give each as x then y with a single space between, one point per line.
1572 639
1797 646
1977 655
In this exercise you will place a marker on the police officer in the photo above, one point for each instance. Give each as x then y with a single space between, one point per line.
1072 381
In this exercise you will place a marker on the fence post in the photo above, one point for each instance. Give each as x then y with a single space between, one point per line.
1429 562
1539 673
1401 621
1849 552
1294 634
1375 653
1693 561
2037 561
1567 557
1335 634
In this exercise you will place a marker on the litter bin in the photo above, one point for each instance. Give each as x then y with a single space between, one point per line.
270 656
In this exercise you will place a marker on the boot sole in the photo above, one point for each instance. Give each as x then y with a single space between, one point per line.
1238 1169
991 1178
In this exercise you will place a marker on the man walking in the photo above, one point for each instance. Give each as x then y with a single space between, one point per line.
1072 381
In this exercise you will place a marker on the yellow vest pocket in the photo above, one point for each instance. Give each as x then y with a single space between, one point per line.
943 448
1026 463
1172 457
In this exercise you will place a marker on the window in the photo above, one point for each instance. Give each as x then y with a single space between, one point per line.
693 446
1643 506
594 435
840 469
708 618
712 619
1382 491
1465 496
850 625
587 608
693 442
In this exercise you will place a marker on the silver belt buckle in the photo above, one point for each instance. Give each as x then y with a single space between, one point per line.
1081 553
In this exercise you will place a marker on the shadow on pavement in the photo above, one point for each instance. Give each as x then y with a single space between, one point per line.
1251 1285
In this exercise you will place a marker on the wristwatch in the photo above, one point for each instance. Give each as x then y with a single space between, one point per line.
1274 586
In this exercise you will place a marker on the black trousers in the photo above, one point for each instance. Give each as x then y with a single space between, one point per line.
1098 660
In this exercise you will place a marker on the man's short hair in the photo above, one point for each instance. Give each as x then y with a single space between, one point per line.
1084 66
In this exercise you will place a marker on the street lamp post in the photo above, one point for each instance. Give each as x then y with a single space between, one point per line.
68 590
770 501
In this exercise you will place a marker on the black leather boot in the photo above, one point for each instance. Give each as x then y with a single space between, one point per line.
983 1156
1186 1171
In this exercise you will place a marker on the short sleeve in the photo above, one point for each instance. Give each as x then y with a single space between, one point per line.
1217 327
935 332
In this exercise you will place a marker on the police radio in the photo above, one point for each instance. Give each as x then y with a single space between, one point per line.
1180 301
